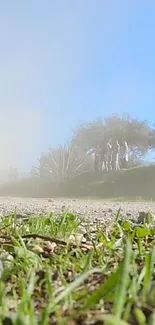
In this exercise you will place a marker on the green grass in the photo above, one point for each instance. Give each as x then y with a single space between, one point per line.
55 271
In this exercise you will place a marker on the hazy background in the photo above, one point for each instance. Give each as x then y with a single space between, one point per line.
63 62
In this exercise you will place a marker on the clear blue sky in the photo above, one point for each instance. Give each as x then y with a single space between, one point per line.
64 62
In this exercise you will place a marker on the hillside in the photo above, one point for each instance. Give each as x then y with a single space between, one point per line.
135 182
132 183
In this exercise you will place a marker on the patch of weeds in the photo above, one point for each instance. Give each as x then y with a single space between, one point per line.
52 274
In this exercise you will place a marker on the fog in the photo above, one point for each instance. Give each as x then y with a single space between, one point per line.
19 132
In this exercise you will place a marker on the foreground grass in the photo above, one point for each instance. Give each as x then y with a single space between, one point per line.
54 271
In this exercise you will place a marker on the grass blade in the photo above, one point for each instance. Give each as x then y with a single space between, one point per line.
120 294
103 290
72 286
112 320
117 215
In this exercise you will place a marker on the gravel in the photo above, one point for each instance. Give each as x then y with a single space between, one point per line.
98 210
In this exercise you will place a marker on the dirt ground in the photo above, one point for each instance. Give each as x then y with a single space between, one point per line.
95 209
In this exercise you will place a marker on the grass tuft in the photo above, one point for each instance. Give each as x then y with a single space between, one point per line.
56 270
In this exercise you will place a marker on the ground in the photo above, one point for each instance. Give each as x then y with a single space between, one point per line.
76 262
96 209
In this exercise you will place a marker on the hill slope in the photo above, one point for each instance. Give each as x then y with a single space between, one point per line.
134 182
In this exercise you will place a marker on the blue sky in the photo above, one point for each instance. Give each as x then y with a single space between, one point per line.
65 62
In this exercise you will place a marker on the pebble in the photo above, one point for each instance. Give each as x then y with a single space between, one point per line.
145 217
88 209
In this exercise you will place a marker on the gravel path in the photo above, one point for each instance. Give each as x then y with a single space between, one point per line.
95 209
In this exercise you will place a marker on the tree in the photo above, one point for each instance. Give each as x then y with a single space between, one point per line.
124 127
152 138
88 135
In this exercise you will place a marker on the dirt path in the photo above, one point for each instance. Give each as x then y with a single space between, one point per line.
96 209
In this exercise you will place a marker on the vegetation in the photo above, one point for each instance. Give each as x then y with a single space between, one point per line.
71 160
60 270
65 162
56 270
68 170
131 183
139 135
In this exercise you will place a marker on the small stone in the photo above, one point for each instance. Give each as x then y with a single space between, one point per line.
50 200
78 238
37 249
128 214
72 239
145 217
49 247
81 230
